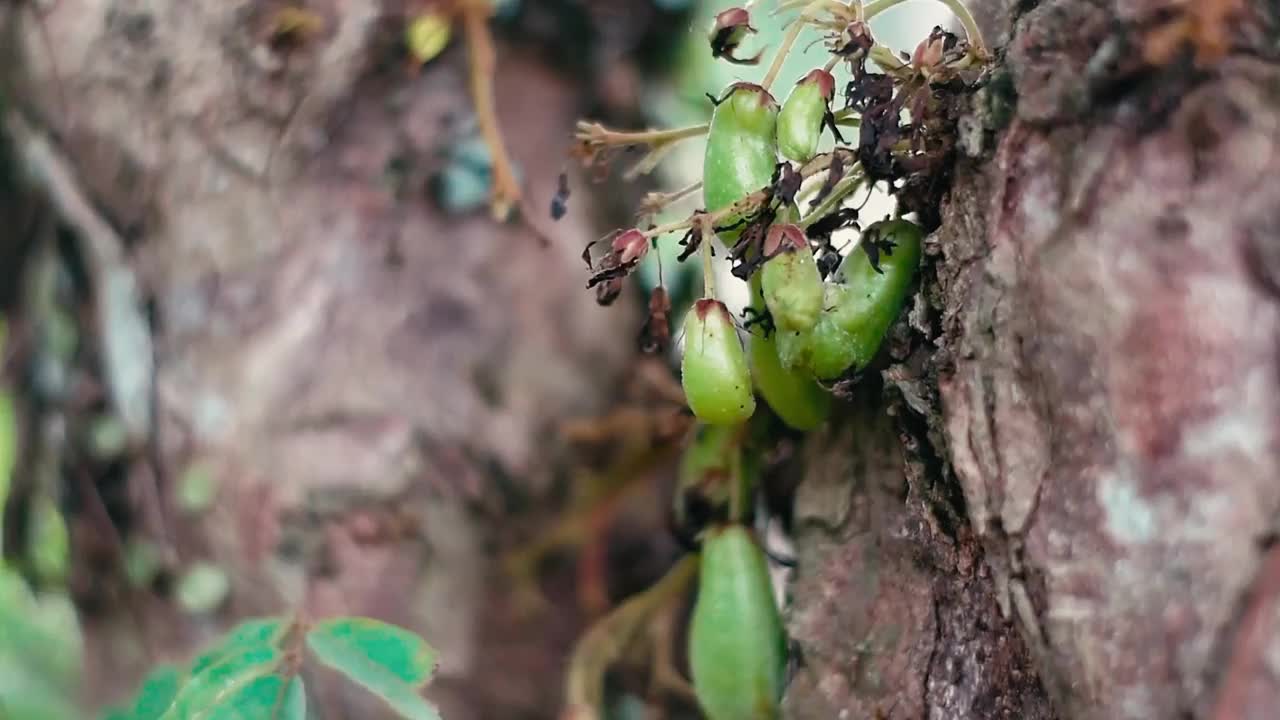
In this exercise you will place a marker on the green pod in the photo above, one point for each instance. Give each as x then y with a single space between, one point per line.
714 371
859 309
742 148
800 121
875 299
794 397
737 646
790 280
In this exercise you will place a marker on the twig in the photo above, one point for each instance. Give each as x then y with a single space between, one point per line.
506 189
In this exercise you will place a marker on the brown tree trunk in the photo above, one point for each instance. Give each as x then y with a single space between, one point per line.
1091 432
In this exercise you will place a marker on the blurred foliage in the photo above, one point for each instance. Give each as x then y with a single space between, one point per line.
252 672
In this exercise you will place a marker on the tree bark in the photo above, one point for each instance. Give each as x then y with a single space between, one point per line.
1095 399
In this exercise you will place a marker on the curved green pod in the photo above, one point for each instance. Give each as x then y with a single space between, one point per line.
800 120
742 148
793 395
859 308
737 646
714 371
790 280
875 299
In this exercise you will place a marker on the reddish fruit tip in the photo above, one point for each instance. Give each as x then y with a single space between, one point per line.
825 81
766 99
707 307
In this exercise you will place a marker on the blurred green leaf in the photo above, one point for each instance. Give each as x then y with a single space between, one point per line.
264 698
41 631
157 693
225 682
389 661
48 542
27 695
248 635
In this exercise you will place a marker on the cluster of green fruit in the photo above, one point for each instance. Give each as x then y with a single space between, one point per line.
821 329
816 317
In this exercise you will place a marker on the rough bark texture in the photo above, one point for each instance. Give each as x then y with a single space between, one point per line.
1107 330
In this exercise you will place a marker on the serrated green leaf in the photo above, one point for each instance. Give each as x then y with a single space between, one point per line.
260 632
389 661
221 682
157 692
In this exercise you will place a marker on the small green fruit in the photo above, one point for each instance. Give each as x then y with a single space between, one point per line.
742 148
790 280
801 118
737 646
793 395
714 372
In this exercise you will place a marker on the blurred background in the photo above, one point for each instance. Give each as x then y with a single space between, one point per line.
265 351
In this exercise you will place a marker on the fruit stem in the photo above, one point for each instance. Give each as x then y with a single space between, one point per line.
788 40
832 201
597 134
708 271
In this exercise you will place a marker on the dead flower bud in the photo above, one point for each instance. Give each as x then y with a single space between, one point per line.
630 246
728 31
625 253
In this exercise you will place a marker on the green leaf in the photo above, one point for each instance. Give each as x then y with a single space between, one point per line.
389 661
158 691
224 682
42 631
265 698
26 694
260 632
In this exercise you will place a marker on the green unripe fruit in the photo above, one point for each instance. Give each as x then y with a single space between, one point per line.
859 309
790 279
794 397
742 148
737 647
800 121
713 371
875 299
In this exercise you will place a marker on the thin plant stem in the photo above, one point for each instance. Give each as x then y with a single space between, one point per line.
957 7
842 190
708 270
506 189
600 135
